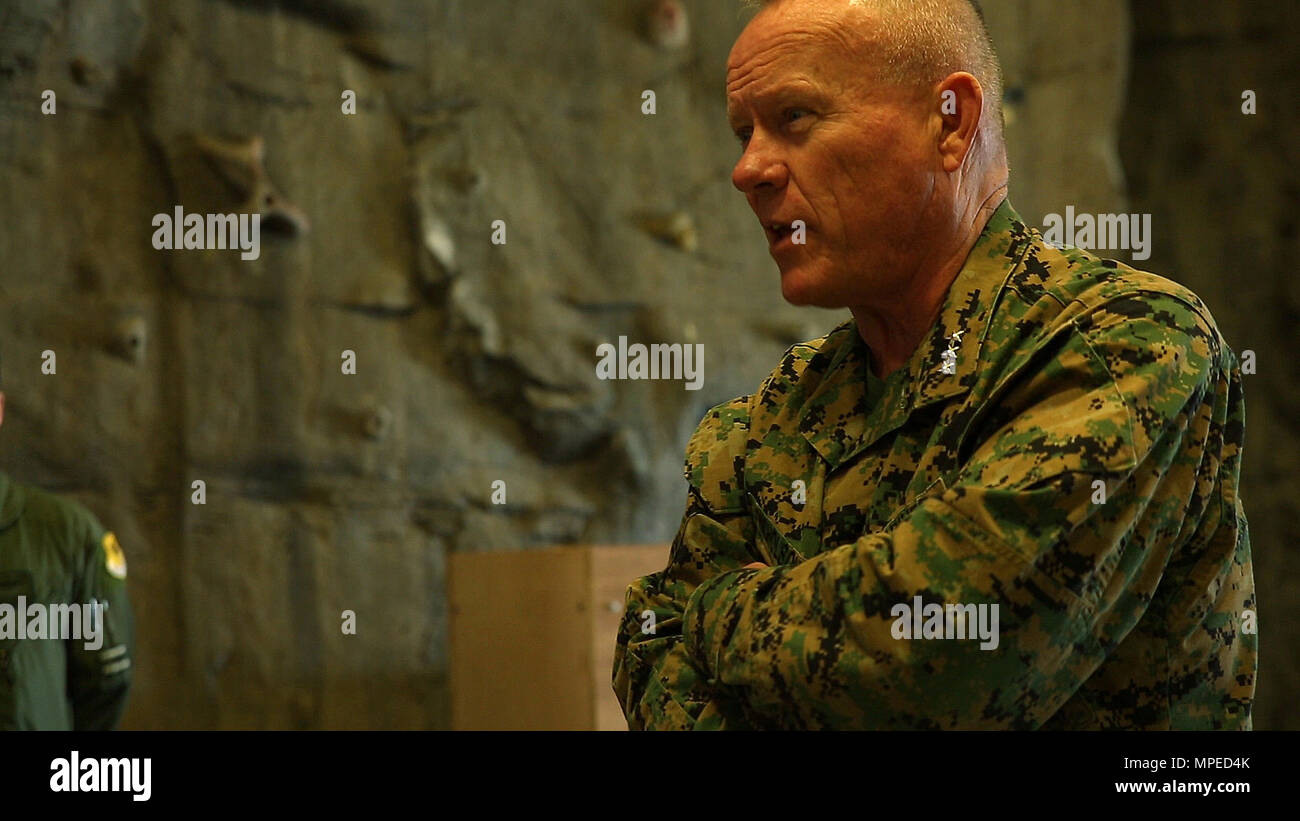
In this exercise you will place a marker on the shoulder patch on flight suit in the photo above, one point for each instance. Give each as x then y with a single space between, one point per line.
114 558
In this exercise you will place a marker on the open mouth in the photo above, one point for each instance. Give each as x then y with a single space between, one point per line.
778 232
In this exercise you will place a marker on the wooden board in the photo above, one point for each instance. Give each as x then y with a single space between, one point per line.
532 635
518 639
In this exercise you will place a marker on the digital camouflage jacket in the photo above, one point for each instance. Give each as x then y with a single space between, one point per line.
1065 444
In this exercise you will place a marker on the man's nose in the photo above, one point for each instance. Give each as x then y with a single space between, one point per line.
759 166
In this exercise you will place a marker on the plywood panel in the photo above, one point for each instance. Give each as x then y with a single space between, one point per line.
520 650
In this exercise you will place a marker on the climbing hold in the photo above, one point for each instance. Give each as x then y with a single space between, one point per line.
677 229
667 24
130 338
242 163
438 241
378 422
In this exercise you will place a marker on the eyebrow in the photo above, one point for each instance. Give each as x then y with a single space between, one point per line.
783 89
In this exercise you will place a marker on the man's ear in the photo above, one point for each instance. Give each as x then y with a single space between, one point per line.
961 104
2 407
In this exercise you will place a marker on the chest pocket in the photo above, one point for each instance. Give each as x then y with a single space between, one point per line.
771 542
14 585
933 489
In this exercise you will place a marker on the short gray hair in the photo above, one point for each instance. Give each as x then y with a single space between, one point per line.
924 41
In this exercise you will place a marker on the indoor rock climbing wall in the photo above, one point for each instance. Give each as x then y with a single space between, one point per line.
324 490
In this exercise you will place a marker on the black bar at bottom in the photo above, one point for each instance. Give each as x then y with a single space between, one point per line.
632 773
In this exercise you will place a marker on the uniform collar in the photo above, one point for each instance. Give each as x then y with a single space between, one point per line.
11 501
835 420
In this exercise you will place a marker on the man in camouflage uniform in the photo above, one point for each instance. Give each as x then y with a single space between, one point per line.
1003 423
54 552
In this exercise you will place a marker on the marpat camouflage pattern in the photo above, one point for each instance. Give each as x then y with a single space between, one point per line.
973 484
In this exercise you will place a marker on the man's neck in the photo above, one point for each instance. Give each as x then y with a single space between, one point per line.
894 333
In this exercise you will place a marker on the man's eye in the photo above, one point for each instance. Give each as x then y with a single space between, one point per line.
792 114
743 135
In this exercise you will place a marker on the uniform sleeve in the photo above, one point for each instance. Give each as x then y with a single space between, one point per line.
657 685
1099 453
99 670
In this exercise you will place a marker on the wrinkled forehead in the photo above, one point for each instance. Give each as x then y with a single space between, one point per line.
808 38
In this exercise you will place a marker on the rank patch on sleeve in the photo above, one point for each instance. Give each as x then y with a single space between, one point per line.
114 558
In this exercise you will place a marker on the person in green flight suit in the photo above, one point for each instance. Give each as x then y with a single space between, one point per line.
66 627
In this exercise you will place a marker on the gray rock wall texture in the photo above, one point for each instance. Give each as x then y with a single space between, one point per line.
328 491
